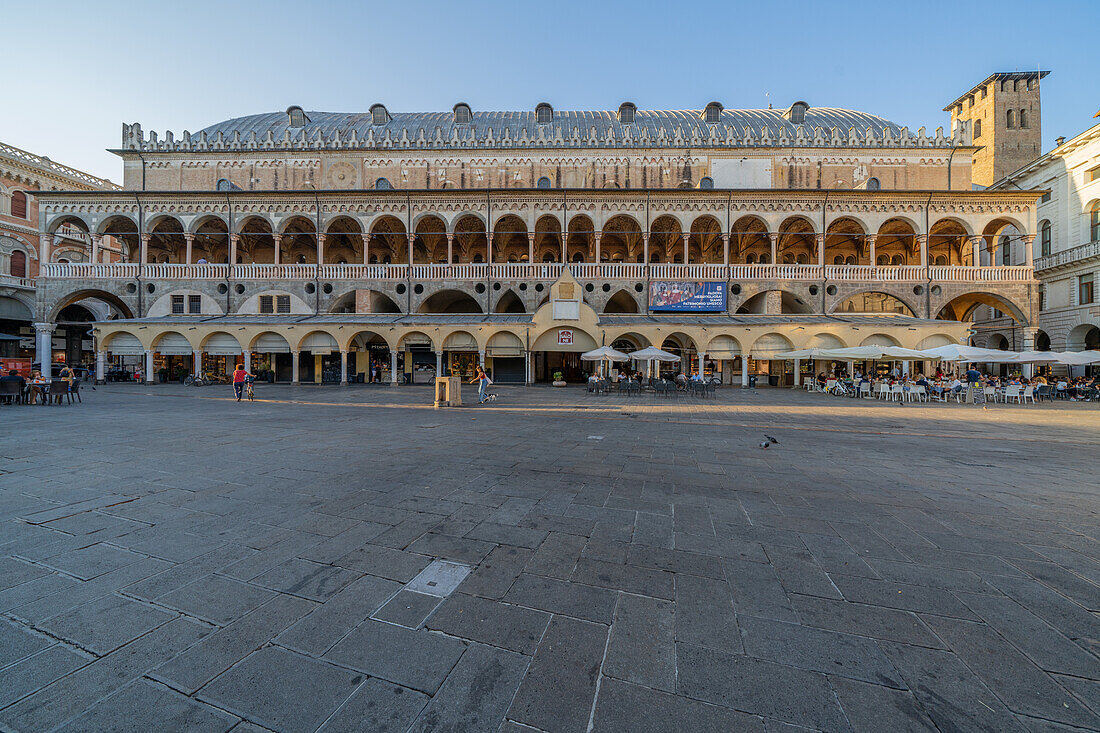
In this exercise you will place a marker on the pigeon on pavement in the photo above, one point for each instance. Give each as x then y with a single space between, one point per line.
770 439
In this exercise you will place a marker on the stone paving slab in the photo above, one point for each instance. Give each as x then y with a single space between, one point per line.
864 575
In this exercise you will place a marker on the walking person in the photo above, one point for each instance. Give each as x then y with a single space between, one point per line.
483 383
240 377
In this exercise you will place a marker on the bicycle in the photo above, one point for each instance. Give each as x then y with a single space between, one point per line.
248 390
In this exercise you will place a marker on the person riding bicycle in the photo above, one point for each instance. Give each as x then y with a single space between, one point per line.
240 377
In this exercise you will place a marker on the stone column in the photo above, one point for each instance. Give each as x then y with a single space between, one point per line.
411 237
143 253
45 246
481 359
189 242
645 249
976 243
564 247
527 368
488 247
343 368
744 371
870 239
100 367
149 366
393 368
366 249
1029 256
820 250
196 363
686 238
530 249
450 248
922 241
234 239
97 241
277 240
439 364
726 249
797 372
774 238
294 366
43 346
596 239
248 360
905 368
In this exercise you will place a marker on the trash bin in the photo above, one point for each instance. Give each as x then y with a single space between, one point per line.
773 380
752 381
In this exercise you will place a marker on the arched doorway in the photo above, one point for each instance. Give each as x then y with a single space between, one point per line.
559 349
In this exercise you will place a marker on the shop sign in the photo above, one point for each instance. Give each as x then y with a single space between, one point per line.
565 337
687 296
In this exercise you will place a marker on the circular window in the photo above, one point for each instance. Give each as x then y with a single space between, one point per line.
418 288
813 290
150 288
496 286
735 289
831 290
936 290
240 289
480 288
606 288
327 288
131 288
400 289
538 287
589 287
637 287
311 288
918 290
523 286
223 288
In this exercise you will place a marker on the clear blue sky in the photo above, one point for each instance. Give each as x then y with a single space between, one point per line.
90 66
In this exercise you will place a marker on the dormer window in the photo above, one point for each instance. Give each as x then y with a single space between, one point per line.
463 115
713 113
296 117
379 115
796 113
544 114
626 113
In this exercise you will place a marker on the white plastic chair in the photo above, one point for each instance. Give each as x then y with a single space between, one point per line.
897 393
1029 394
884 391
864 390
990 394
919 393
1014 392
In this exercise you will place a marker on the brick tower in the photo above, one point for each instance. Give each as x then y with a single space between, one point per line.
1004 116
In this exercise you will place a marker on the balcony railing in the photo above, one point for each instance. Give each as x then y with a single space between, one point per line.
541 271
11 281
1069 256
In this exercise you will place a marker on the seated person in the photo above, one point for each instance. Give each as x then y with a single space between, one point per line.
14 376
956 385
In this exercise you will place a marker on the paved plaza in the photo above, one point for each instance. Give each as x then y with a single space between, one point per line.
350 559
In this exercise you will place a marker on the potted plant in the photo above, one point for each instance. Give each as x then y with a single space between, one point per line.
559 380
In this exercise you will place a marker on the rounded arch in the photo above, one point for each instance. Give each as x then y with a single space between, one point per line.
505 343
628 341
415 338
173 343
123 343
879 339
873 301
221 343
550 340
509 302
824 341
460 340
935 341
1084 336
209 221
678 340
110 298
1042 341
724 346
68 219
361 340
999 224
318 340
269 342
298 224
255 224
621 301
962 307
343 224
117 224
958 222
449 302
769 344
163 223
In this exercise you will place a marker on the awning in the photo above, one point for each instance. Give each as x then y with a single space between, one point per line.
125 344
271 343
222 344
604 353
173 344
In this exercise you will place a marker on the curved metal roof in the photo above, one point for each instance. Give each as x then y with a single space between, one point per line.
514 124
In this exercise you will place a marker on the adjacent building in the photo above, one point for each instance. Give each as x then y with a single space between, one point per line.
22 175
317 245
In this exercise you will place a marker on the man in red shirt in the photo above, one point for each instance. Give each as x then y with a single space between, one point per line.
240 376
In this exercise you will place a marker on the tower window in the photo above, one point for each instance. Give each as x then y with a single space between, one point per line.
544 113
1010 119
1023 118
977 128
462 114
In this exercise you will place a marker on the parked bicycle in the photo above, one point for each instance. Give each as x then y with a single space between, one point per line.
201 380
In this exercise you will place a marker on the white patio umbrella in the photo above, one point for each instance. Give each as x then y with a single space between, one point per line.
962 352
1038 357
651 354
1078 358
605 355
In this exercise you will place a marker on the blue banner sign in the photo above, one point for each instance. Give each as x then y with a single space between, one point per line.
687 296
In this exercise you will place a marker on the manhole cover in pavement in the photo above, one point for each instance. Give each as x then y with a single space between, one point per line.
440 578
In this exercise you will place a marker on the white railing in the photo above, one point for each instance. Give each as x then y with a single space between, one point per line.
956 273
170 271
468 271
70 232
874 273
1069 256
12 281
115 271
524 271
672 271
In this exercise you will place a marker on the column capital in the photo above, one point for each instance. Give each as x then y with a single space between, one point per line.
234 237
95 237
976 239
685 235
146 237
725 236
1028 238
773 236
45 327
921 237
531 236
320 236
277 236
870 237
